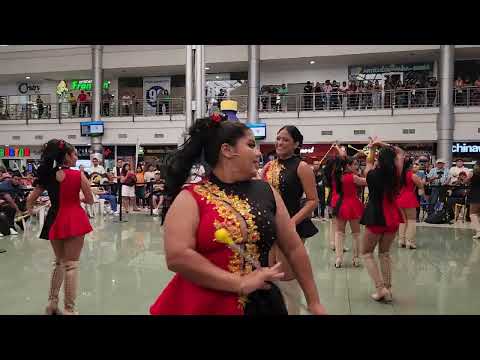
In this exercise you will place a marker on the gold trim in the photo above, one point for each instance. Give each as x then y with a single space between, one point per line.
273 173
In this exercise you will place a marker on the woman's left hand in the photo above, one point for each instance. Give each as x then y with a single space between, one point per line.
317 309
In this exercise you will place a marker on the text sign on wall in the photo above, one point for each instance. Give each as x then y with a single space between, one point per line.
466 148
86 85
14 151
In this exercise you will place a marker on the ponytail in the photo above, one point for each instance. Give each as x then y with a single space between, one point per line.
53 155
205 138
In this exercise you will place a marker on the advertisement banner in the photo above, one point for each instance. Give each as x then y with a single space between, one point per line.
153 89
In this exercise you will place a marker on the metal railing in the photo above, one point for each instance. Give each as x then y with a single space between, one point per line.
64 110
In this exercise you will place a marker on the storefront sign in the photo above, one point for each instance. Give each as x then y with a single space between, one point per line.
466 148
153 88
14 152
380 69
86 85
28 88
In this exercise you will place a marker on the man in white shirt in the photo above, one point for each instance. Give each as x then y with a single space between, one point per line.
197 173
456 170
97 168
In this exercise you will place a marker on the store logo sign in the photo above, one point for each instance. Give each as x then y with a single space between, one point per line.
24 88
307 150
14 151
459 148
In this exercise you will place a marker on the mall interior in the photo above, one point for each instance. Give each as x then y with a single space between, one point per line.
134 103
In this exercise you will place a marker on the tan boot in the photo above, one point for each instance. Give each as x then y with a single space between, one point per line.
372 269
339 240
292 295
410 234
386 268
402 235
70 287
56 280
332 235
475 225
356 249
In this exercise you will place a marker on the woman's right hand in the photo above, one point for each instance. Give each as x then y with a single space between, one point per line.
258 279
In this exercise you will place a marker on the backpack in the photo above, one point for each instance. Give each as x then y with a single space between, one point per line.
439 216
130 180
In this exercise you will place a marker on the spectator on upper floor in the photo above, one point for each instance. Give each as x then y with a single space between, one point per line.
72 100
88 104
307 90
82 100
283 92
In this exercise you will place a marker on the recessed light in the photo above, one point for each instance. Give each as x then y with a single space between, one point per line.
217 77
312 62
207 68
27 77
3 45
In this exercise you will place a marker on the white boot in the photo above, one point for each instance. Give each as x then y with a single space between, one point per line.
356 249
410 234
401 234
475 225
339 240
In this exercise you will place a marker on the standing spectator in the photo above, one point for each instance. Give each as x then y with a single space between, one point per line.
308 90
352 95
166 99
377 95
361 95
126 102
327 90
388 92
118 174
476 93
319 178
459 91
456 170
140 186
82 100
273 98
128 180
264 98
343 94
437 177
40 108
335 97
369 95
283 92
106 99
72 100
149 174
88 105
318 97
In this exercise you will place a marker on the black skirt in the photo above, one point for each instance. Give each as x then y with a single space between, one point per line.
306 229
266 302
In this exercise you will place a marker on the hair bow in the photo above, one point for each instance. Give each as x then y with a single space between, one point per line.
61 144
216 118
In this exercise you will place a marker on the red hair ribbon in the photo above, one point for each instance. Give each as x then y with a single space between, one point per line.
61 144
216 117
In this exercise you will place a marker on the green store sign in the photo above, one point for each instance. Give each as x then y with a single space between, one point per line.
86 85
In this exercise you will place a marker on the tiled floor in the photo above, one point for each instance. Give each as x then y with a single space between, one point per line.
123 270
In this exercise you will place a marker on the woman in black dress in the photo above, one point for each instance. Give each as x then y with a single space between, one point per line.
474 198
214 278
292 178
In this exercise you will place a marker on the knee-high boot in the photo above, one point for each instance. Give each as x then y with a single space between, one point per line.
410 234
332 234
292 295
356 249
70 286
386 268
402 234
56 280
372 268
475 225
339 240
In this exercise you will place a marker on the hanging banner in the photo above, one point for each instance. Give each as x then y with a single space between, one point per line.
153 89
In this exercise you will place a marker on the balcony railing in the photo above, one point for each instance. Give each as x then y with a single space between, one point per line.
319 101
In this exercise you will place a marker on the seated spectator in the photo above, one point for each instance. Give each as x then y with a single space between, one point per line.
457 195
106 195
158 193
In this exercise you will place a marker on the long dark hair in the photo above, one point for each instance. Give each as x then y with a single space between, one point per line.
406 166
295 134
53 156
388 171
206 136
124 170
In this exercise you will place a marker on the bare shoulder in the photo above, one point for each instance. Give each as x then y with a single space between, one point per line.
304 168
60 175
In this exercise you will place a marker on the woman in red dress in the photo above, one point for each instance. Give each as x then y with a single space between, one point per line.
66 223
211 277
348 208
382 215
408 203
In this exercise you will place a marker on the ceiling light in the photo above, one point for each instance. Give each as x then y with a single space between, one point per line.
217 77
3 45
207 68
312 62
27 77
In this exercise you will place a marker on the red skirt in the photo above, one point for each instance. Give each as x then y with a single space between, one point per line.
393 219
182 297
351 209
407 200
70 222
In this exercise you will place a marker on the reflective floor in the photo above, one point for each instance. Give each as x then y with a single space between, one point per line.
123 271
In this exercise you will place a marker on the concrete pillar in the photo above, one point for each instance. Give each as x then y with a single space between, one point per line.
446 122
253 82
188 86
199 82
97 71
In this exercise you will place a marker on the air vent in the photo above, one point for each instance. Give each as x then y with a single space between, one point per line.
411 131
159 135
72 136
15 137
479 130
122 136
327 132
405 131
38 137
358 132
